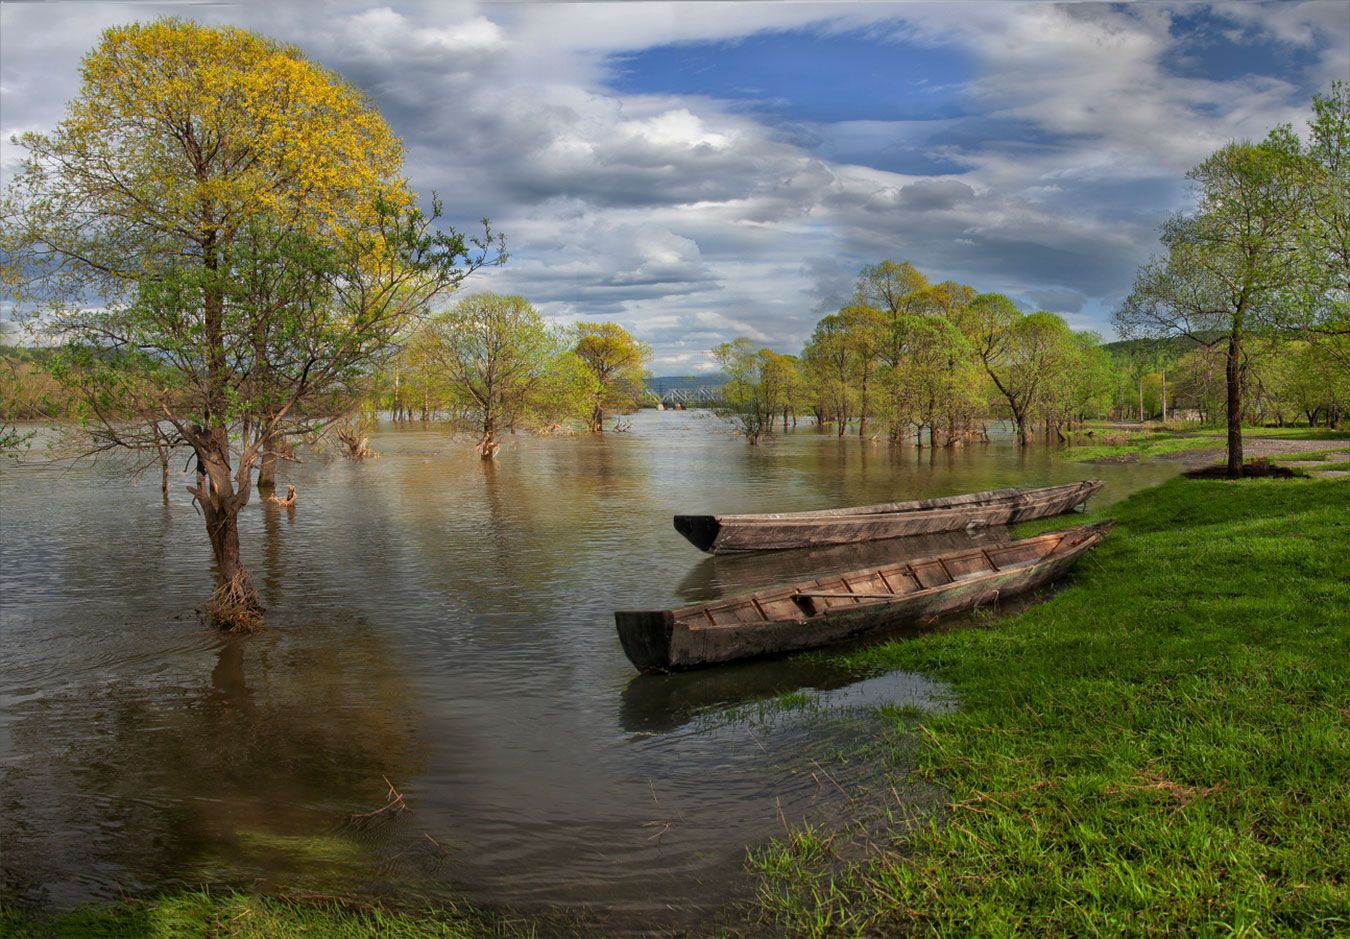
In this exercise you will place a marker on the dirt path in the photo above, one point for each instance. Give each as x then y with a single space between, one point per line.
1254 448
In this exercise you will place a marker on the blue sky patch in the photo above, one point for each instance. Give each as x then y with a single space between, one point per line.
1209 46
802 75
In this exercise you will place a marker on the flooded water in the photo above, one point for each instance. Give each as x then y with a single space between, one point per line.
441 630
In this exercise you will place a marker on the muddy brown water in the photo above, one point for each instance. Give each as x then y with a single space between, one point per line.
444 627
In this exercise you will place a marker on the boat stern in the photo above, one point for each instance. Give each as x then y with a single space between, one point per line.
645 635
701 530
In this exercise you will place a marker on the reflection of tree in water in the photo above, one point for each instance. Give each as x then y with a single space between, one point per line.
274 567
246 779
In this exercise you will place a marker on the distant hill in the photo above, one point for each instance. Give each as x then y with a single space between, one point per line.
40 354
665 383
1171 347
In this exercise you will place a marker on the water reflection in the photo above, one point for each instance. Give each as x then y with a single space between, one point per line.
448 625
242 776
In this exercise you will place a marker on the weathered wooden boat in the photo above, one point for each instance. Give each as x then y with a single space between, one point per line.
721 533
840 606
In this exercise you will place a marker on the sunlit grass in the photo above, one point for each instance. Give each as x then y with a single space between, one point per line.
1159 749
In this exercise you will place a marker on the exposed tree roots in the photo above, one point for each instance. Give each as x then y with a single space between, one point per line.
235 606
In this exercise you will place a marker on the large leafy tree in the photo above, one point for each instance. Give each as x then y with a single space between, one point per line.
221 225
1230 265
618 364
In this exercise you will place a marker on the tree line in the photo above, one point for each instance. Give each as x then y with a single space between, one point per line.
907 359
1255 278
492 364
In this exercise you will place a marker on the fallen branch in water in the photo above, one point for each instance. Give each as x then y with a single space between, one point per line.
394 803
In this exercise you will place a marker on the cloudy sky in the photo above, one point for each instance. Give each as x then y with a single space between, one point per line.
702 171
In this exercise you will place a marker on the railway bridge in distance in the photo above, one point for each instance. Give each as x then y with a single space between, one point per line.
679 399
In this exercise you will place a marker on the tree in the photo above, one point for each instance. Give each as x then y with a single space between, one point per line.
226 222
831 365
505 366
1016 351
1228 264
618 364
936 375
758 383
1322 291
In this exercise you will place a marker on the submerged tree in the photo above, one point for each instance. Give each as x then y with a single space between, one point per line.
506 367
759 385
618 364
224 222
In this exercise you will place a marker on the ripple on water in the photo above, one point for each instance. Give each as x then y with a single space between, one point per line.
446 626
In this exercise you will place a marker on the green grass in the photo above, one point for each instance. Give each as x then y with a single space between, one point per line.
1159 749
243 916
1140 447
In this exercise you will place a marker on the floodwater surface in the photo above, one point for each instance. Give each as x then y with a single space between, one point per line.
440 707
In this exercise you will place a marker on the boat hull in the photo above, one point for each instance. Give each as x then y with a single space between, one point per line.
719 534
673 640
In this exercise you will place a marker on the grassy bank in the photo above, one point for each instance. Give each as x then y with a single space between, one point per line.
1137 446
1159 749
229 915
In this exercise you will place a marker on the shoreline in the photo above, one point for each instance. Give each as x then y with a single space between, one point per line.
1151 748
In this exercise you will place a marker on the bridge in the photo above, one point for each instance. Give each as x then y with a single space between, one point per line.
678 399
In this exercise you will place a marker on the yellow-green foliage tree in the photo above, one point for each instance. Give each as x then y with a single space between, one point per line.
506 369
228 222
760 384
618 364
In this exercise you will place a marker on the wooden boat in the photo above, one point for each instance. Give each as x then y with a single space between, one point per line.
836 607
719 533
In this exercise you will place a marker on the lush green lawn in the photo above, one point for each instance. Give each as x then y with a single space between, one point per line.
1139 446
1287 433
1160 749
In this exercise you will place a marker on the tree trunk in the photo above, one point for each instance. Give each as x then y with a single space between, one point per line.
488 446
267 470
235 604
162 451
1233 375
1164 397
598 420
1023 429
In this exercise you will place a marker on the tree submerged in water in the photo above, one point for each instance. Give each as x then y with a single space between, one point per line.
618 364
505 369
219 234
